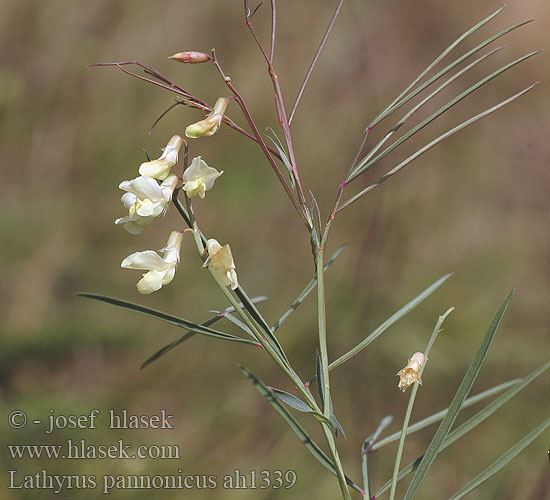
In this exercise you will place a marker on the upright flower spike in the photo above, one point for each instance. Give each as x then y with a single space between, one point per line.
160 168
210 125
411 373
221 262
145 200
191 56
161 270
199 178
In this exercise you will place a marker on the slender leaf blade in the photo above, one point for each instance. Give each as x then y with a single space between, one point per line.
306 291
389 322
304 437
446 69
362 168
291 400
475 420
253 311
167 318
437 417
456 404
432 65
435 142
502 460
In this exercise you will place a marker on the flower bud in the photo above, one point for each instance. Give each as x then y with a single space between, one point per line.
411 373
191 56
210 125
222 263
160 168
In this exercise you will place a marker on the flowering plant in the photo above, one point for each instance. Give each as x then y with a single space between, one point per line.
146 199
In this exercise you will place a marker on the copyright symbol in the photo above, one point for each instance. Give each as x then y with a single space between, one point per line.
17 419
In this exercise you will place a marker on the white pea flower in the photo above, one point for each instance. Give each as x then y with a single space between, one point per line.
211 124
221 261
411 373
145 200
160 168
199 178
161 270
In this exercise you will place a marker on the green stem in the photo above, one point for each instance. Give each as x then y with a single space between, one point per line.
323 355
412 397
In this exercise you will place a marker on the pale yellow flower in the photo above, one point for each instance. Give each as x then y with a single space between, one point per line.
210 125
160 168
411 373
145 200
161 270
221 262
199 178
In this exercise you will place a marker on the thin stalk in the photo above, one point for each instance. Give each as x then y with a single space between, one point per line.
280 106
412 398
323 355
366 450
188 98
314 61
261 142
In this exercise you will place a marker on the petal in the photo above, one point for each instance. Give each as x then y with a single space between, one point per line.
128 199
147 259
192 188
224 258
156 169
133 228
169 275
172 249
149 208
207 127
151 282
168 185
213 246
170 153
146 188
232 278
210 176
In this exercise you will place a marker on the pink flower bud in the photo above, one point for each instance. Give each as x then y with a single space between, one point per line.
191 57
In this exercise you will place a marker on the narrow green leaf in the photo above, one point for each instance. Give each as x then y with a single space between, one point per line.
445 70
433 143
432 65
305 292
363 167
475 420
291 400
259 319
502 460
366 450
168 318
236 321
167 348
304 437
437 417
406 117
458 400
389 322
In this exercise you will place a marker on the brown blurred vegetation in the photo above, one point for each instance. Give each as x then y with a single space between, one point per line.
476 206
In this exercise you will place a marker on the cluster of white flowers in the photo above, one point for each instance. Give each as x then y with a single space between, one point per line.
148 196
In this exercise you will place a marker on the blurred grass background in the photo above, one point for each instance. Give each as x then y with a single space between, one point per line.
476 206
